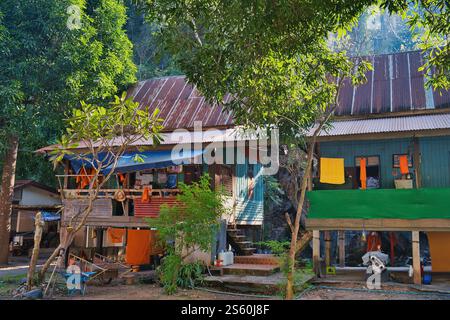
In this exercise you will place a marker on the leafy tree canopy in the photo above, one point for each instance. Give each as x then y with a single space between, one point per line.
48 68
273 57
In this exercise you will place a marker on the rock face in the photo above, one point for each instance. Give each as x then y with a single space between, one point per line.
275 225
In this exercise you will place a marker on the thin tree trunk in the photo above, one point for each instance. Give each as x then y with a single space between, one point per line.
61 250
293 247
6 196
38 226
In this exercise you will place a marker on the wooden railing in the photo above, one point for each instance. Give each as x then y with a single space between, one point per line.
109 193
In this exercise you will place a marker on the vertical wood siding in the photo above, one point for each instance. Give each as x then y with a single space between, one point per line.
249 211
435 157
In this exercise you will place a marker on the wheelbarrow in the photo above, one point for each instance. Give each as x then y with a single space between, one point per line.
84 278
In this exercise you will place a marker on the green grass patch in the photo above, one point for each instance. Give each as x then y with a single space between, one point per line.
9 283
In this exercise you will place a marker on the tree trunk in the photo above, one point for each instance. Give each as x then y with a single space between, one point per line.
39 224
6 196
293 247
61 250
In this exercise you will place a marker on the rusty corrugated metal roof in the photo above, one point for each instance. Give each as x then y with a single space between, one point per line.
394 85
180 103
390 124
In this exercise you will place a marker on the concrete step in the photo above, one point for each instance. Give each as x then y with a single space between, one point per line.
250 269
267 259
248 251
251 284
244 244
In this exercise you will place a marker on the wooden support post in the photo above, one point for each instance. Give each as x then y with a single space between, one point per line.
417 163
341 235
39 225
327 237
66 174
316 252
416 257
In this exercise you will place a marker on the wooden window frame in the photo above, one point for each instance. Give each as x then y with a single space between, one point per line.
379 167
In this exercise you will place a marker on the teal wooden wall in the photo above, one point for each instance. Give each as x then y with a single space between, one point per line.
249 211
435 164
435 161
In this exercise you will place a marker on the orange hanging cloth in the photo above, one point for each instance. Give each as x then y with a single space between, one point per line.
403 161
145 195
374 242
83 178
122 178
116 234
363 173
138 247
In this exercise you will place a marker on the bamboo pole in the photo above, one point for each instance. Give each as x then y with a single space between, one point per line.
39 224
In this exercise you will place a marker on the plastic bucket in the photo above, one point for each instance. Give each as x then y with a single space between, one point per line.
426 278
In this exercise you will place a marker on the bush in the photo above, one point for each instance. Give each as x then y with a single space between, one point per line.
190 225
173 273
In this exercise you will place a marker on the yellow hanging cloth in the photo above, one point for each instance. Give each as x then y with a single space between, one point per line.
332 170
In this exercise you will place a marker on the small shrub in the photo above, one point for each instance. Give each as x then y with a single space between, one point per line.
173 273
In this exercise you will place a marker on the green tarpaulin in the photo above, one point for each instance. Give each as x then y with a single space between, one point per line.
380 204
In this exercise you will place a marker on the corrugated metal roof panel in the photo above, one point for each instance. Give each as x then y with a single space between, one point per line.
180 103
394 85
391 124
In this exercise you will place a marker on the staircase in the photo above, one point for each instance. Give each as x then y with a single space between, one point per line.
239 242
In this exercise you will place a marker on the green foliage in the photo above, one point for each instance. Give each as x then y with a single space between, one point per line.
173 273
273 193
190 225
190 274
111 130
169 271
430 20
271 56
278 248
149 54
377 31
193 222
47 69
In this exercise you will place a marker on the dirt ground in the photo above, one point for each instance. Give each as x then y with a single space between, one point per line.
347 292
351 291
147 292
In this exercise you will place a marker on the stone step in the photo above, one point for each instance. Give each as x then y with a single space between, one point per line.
248 251
244 244
239 237
252 284
267 259
250 269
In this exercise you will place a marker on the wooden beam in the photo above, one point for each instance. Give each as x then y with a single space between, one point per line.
327 248
316 252
341 237
379 224
66 174
417 163
416 257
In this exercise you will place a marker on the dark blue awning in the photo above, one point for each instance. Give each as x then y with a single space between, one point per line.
137 161
50 216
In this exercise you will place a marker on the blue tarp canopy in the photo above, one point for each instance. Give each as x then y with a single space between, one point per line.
49 216
128 162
